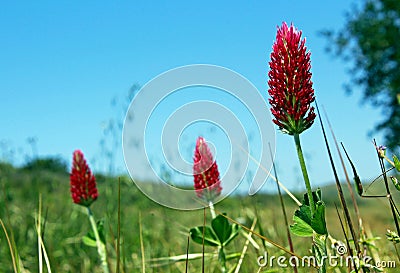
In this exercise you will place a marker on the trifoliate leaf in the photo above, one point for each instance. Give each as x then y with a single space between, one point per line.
301 228
318 223
210 239
224 230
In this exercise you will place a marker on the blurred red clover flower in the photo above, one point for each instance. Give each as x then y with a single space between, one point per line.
82 181
290 85
205 172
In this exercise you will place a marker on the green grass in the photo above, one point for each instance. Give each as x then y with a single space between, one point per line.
164 230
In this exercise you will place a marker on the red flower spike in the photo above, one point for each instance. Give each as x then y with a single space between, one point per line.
205 172
290 85
82 181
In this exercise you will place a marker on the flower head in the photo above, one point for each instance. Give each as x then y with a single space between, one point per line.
290 85
82 181
381 151
205 172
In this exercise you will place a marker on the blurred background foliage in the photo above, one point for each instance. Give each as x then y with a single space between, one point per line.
369 42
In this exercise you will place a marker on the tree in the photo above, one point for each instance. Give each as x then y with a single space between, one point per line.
53 164
370 40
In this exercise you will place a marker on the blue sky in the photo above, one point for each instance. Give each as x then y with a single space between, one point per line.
63 62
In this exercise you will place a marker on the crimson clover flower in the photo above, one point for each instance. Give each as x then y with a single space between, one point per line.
205 172
82 181
290 85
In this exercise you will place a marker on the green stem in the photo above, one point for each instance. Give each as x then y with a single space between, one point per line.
212 210
222 259
304 171
101 248
397 252
221 253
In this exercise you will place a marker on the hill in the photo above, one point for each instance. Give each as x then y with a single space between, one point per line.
165 230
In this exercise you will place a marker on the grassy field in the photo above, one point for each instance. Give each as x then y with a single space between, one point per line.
164 231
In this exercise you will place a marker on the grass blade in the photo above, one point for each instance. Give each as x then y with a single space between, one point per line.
339 186
283 207
273 178
141 244
392 205
239 264
264 238
187 254
38 227
10 246
204 228
346 238
164 261
353 199
42 249
119 228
